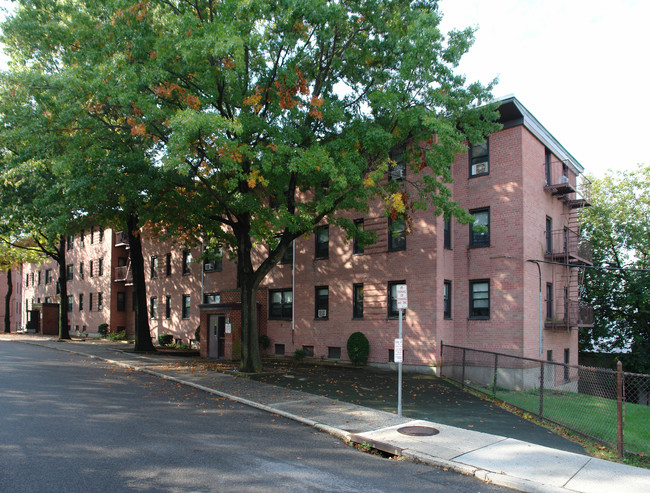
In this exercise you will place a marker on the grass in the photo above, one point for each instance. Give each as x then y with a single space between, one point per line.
594 416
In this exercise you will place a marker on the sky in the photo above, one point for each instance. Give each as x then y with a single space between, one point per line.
579 66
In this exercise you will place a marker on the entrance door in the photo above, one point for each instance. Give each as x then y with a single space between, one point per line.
217 331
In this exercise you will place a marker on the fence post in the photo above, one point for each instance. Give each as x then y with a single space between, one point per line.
541 389
462 379
620 445
442 348
494 379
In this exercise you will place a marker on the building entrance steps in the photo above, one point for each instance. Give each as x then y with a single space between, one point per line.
497 458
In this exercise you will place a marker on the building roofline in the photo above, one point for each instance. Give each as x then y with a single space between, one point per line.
538 130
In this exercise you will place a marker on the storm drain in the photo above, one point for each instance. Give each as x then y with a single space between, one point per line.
418 431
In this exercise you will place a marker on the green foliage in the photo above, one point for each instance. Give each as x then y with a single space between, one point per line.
265 342
240 122
299 354
618 228
358 348
165 339
117 336
102 330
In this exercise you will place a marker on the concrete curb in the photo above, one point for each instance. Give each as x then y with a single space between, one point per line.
491 477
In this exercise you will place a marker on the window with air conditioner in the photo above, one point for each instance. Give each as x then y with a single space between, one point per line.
479 159
322 302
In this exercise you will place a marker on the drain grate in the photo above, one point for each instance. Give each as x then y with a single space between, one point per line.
418 431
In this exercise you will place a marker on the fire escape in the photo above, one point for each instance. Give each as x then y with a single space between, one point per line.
123 273
568 250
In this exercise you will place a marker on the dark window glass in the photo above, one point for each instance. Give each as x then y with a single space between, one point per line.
397 167
447 236
153 307
396 234
100 302
90 302
81 270
81 302
549 301
70 303
334 353
69 273
549 235
280 304
186 306
393 312
69 242
479 159
356 249
322 302
154 267
213 260
92 235
101 234
187 262
479 299
121 301
357 301
91 270
48 276
547 166
211 298
479 232
447 299
168 307
168 264
322 242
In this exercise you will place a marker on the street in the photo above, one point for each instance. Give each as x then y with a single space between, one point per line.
71 423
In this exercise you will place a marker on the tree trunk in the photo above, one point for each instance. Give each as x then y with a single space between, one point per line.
250 349
142 332
64 331
10 289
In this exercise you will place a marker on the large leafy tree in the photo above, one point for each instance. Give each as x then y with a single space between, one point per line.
619 287
270 117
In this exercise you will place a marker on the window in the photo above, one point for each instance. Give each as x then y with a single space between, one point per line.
69 242
153 267
69 274
26 280
81 302
81 270
153 307
479 302
549 355
101 234
48 276
39 278
280 304
100 267
100 302
168 264
322 302
549 235
479 159
82 237
549 301
90 302
70 303
92 235
397 168
279 349
447 233
479 231
186 306
322 242
333 353
211 298
168 307
90 270
187 262
567 358
447 299
357 301
121 301
213 260
32 276
393 312
547 166
356 249
396 234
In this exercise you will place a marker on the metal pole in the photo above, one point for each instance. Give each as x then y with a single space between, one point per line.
541 389
293 291
620 444
399 372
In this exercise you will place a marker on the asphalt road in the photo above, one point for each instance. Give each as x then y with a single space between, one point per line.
72 424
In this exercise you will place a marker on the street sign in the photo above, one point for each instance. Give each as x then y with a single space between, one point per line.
402 297
399 351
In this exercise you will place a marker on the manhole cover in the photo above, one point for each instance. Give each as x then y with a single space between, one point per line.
418 431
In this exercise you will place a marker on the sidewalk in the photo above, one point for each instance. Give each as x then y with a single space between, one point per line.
494 458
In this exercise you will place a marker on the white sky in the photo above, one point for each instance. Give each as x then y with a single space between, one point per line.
580 66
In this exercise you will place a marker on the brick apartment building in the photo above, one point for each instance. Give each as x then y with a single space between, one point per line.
511 287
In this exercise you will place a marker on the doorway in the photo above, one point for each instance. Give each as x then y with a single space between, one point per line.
217 336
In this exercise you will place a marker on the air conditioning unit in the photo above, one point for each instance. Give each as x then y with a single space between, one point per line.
480 168
397 173
322 313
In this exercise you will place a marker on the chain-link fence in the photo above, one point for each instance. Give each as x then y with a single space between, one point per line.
612 407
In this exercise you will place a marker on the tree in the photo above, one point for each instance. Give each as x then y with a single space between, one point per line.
10 257
269 118
619 288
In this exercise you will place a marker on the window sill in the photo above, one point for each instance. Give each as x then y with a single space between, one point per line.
320 319
480 246
478 175
479 318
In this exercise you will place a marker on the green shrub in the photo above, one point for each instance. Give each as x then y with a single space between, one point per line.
265 342
103 329
299 354
165 339
358 348
117 336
